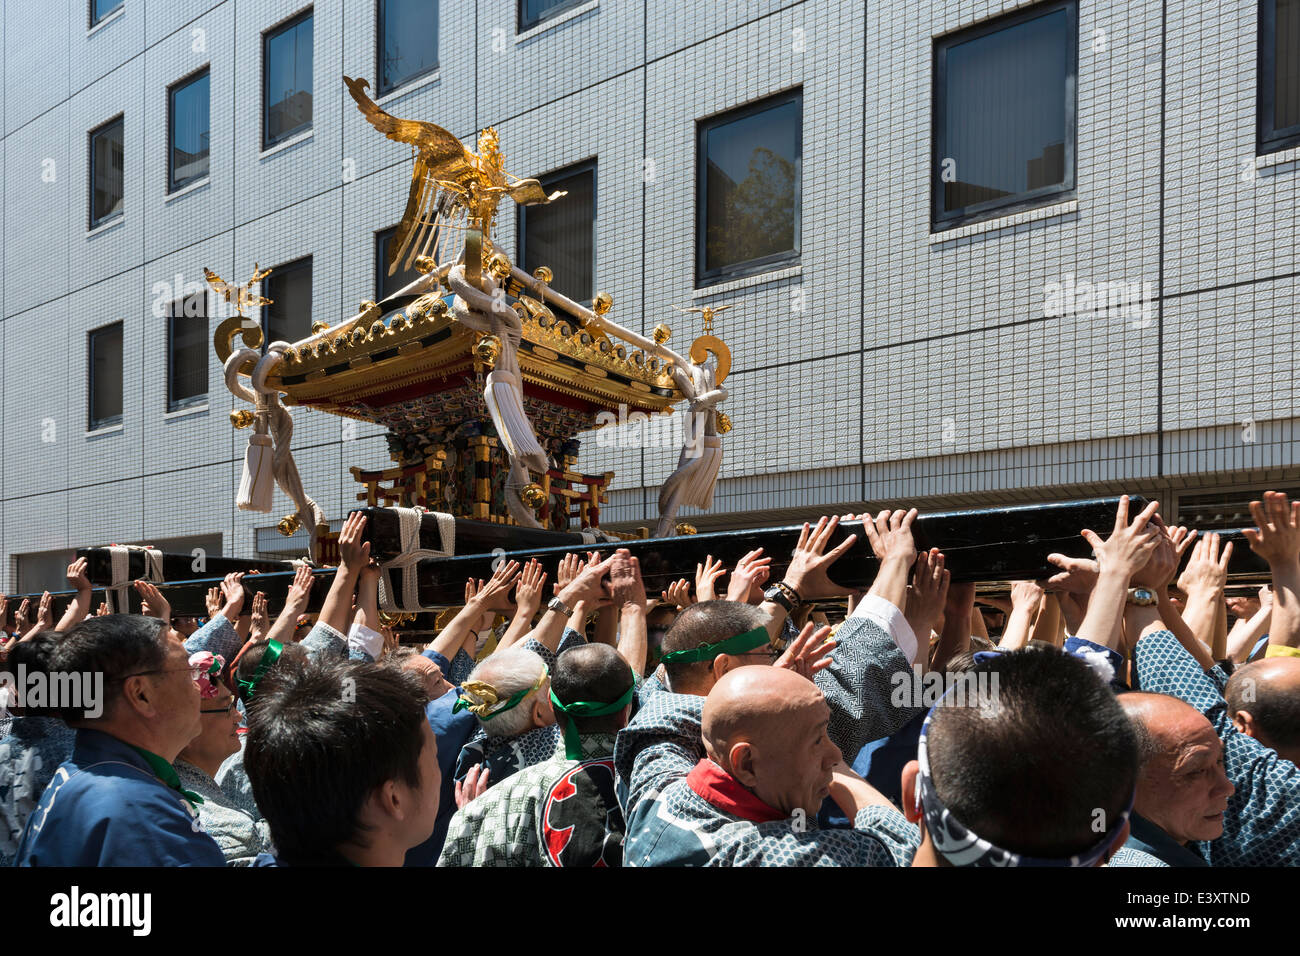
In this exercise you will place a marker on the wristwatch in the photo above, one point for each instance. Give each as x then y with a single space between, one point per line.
555 604
784 595
1142 597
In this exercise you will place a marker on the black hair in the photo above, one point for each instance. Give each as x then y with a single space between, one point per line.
1277 711
707 622
321 740
596 673
292 657
115 645
33 657
1041 761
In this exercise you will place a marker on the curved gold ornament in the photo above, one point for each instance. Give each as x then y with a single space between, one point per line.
724 423
705 344
533 495
662 334
488 349
223 340
602 303
499 267
543 274
684 528
319 326
288 525
242 418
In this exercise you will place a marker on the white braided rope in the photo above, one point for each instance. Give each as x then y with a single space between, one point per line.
119 573
408 523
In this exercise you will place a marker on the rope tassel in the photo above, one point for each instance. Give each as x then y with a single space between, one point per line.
257 485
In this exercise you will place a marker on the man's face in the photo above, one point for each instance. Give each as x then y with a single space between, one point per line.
430 675
177 696
419 824
793 757
1183 788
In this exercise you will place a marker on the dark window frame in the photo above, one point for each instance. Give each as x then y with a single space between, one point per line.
564 172
279 271
940 220
93 424
1268 138
380 88
564 7
178 404
381 266
172 184
90 13
267 35
770 263
90 145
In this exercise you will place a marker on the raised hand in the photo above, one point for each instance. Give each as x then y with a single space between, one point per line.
102 610
706 578
568 569
1130 544
1077 575
261 621
1276 538
21 623
1181 538
354 554
232 593
45 611
890 534
1161 566
529 589
679 594
495 595
300 589
808 653
152 603
625 583
928 594
1207 569
752 572
76 574
808 574
214 601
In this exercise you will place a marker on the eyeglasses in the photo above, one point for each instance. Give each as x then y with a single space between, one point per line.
195 672
221 710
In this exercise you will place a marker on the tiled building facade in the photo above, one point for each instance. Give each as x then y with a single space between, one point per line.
889 361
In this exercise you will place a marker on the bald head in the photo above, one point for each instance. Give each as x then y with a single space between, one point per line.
1182 786
1264 703
769 729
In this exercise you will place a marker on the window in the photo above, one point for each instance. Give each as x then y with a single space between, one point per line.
106 173
286 79
386 285
288 317
533 12
187 352
407 34
747 189
99 9
1004 97
187 119
105 377
1279 75
562 234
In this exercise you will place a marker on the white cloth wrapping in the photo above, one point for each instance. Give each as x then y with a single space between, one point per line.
409 521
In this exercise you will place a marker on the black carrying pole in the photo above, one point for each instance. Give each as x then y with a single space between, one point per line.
175 567
985 545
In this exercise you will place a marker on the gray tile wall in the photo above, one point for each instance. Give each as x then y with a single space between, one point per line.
885 367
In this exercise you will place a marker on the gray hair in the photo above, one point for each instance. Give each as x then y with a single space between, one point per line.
509 671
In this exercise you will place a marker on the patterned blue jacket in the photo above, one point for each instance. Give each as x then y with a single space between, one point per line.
1262 824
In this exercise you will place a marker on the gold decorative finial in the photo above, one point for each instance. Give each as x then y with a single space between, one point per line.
707 312
543 274
724 423
450 186
602 303
533 495
242 418
662 334
241 296
319 326
499 267
425 264
684 528
488 349
288 525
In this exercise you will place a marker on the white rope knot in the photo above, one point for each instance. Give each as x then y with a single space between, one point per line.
408 523
119 563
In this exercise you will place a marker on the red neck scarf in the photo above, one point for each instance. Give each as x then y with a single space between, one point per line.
723 791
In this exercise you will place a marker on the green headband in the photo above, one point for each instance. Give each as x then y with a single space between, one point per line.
740 644
487 695
583 708
273 649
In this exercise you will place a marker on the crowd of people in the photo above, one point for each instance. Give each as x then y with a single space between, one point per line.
1106 715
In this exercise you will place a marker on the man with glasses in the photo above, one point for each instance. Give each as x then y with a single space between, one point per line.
118 800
